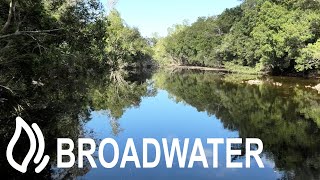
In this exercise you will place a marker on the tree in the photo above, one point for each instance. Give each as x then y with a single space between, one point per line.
271 36
309 57
124 45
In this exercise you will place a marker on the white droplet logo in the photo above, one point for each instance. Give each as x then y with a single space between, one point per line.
21 124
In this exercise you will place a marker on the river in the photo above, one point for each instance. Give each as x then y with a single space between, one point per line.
283 112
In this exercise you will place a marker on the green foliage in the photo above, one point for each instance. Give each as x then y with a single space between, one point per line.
187 45
309 57
44 38
273 36
243 69
124 45
160 56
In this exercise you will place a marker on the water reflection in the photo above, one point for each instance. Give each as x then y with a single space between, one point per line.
281 112
61 105
286 118
116 97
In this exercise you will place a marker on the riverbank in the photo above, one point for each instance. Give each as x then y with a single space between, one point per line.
242 70
248 77
225 69
199 68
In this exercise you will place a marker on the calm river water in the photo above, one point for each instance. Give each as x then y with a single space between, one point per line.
283 112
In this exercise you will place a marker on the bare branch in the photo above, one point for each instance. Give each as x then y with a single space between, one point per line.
29 32
10 15
7 89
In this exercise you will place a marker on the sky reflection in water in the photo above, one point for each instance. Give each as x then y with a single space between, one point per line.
161 117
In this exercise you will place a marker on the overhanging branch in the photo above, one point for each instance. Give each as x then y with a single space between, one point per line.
28 32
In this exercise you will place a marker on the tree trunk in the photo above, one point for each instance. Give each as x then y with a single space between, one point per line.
10 15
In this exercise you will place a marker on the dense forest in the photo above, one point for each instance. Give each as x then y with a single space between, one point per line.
42 37
272 36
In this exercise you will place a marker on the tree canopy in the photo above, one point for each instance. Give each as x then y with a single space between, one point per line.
279 37
42 37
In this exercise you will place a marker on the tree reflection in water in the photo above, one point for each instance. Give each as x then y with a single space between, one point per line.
60 105
281 112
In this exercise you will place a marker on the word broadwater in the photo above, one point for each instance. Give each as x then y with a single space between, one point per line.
197 153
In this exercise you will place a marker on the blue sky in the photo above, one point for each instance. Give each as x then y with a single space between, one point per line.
158 15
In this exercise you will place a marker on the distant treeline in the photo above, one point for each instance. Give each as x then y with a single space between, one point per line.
278 37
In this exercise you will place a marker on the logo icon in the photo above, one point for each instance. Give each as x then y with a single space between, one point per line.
21 124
